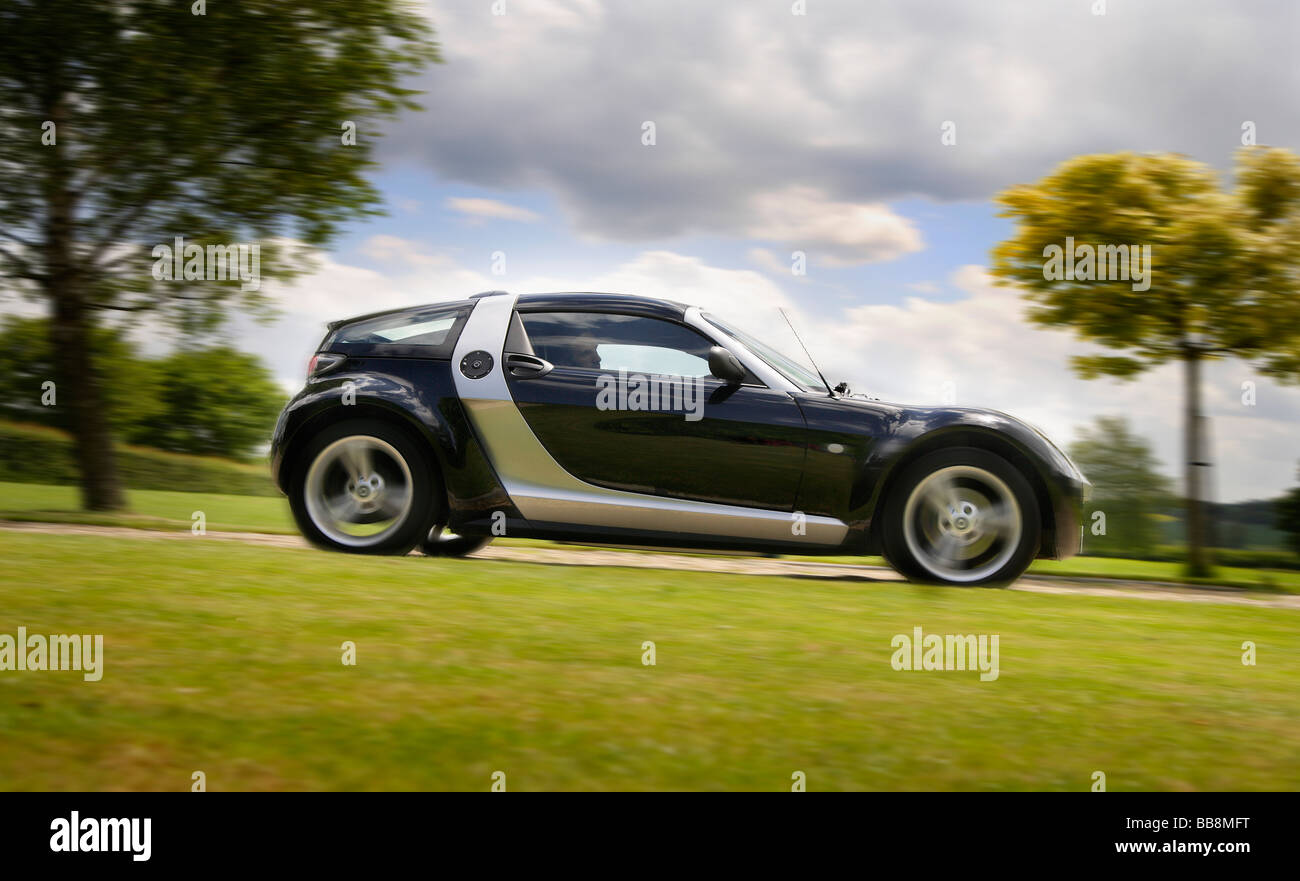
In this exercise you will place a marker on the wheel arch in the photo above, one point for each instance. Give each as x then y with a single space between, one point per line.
364 408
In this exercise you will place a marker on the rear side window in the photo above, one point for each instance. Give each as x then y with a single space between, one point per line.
424 333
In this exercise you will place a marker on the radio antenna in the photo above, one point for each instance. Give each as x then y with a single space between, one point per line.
820 375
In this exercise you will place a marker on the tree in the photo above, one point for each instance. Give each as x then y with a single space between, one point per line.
1288 515
132 388
125 125
209 400
1127 484
1223 270
217 401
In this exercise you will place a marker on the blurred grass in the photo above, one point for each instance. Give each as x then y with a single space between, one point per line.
1269 580
149 509
225 658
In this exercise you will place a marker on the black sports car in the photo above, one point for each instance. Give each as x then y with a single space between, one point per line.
600 418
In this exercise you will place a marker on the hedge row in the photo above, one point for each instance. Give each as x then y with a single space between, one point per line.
34 454
1246 559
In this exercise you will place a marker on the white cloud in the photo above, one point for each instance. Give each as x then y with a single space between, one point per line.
832 232
492 209
769 261
403 252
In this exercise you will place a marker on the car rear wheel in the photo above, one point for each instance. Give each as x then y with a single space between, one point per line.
962 516
364 486
440 543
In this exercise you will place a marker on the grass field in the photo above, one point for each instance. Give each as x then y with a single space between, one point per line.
148 509
230 513
225 658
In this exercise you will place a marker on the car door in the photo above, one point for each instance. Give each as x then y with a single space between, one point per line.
626 402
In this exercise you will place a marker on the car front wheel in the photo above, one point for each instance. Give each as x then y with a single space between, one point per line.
364 486
962 516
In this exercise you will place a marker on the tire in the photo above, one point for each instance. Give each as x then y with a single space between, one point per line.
440 544
961 516
386 512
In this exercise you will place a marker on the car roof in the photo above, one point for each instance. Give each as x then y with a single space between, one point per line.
590 301
567 301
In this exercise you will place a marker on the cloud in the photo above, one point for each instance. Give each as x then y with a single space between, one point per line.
491 209
769 261
400 251
750 102
835 233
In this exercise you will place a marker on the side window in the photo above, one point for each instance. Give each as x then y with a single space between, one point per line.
617 342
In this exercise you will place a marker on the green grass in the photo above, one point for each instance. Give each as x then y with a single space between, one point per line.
156 509
1287 580
1271 580
149 509
225 658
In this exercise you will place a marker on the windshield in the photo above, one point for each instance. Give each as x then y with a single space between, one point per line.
786 366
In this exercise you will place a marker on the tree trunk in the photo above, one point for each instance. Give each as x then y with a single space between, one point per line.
70 339
78 389
1198 557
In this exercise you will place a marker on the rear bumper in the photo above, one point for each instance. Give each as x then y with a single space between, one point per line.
276 453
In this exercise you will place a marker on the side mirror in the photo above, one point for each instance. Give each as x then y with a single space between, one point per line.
726 366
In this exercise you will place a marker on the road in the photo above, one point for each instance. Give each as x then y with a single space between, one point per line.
737 565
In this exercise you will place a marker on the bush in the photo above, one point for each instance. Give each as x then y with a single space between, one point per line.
35 454
1256 559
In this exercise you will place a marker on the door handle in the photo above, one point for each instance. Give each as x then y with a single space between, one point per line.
527 366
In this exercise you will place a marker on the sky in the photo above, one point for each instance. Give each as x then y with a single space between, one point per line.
821 133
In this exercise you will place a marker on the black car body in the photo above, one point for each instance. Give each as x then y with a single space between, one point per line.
524 410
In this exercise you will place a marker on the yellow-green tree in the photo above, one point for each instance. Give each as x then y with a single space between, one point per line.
1148 255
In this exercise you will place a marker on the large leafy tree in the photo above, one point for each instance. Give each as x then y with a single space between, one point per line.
1127 484
125 124
1224 275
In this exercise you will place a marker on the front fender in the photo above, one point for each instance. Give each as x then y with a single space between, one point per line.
1061 487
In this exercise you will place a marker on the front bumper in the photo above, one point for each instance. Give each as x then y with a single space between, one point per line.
1069 506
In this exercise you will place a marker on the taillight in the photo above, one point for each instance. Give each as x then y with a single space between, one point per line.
323 362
